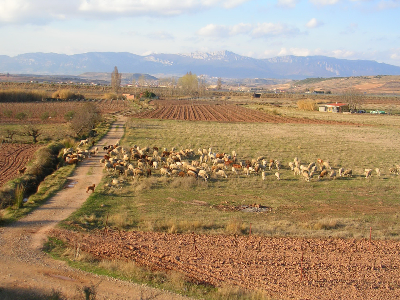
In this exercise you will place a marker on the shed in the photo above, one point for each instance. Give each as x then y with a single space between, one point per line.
334 107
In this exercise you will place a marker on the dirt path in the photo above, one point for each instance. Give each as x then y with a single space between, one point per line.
24 267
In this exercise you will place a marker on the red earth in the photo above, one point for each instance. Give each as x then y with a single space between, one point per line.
300 268
203 111
14 157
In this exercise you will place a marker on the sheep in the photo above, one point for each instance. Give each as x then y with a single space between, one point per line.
322 174
394 170
234 170
83 142
263 175
306 175
296 162
278 175
348 173
120 169
220 173
277 165
332 175
296 171
203 174
368 173
271 163
192 173
129 172
341 171
291 166
138 172
164 172
378 172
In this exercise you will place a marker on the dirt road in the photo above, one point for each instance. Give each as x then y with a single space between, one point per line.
24 268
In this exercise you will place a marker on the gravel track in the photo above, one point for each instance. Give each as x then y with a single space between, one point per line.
23 266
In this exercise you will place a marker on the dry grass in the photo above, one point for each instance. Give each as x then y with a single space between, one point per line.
307 104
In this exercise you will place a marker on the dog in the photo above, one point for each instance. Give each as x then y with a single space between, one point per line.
90 187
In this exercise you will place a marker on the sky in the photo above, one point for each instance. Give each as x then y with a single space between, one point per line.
349 29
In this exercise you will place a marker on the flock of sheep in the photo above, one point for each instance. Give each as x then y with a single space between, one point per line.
204 164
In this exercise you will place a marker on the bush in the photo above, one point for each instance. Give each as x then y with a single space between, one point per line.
45 115
8 113
110 96
67 94
307 104
69 115
21 115
22 96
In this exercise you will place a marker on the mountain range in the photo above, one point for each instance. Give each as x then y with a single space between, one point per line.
223 64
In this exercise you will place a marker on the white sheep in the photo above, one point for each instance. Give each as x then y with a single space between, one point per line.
165 172
203 174
221 173
341 171
263 175
368 173
305 175
278 175
332 175
378 172
348 173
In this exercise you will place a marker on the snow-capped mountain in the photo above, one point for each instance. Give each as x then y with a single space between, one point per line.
216 64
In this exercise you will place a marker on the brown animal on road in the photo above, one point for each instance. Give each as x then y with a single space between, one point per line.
90 187
22 171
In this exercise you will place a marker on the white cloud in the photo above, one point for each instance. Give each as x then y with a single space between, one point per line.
212 30
259 30
388 4
44 11
287 3
313 23
29 11
161 35
324 2
271 29
295 51
395 54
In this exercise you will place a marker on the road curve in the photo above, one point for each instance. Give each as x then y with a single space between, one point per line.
24 267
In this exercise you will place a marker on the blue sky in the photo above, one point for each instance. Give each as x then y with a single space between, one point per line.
350 29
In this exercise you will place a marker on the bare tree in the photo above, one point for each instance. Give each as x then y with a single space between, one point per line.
33 132
10 134
354 98
116 81
189 83
219 83
85 119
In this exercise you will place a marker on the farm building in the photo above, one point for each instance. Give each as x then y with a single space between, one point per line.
129 96
334 107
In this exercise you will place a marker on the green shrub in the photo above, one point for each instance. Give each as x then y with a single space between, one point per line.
45 115
8 113
69 115
110 96
21 115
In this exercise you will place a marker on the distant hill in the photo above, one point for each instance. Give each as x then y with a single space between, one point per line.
214 64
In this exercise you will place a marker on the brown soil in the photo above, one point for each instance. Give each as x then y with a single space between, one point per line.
56 110
286 268
221 113
13 158
24 267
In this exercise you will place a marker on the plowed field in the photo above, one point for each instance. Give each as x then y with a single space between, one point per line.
284 267
14 157
221 113
55 111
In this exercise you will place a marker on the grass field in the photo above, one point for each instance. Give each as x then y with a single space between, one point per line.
345 207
